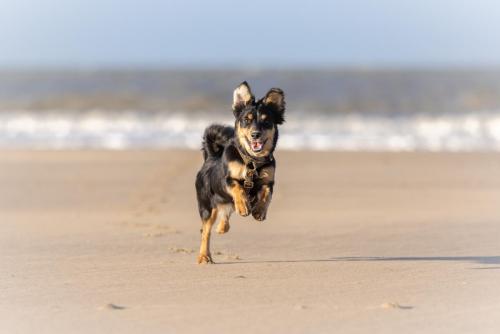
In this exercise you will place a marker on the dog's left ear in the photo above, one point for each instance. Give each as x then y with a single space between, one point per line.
275 100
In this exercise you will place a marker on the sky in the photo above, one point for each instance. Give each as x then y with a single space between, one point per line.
252 33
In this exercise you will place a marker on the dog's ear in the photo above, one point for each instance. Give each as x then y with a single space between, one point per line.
242 96
275 100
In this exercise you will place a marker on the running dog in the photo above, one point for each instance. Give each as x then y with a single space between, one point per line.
238 169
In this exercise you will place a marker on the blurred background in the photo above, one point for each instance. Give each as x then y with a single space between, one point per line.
359 75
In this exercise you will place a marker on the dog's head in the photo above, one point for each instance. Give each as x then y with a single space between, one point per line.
256 126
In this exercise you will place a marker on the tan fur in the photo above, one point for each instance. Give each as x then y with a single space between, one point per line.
266 174
264 194
251 118
241 202
274 97
242 95
205 256
237 170
223 214
268 146
244 137
263 200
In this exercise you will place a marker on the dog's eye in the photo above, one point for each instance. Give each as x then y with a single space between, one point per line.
246 121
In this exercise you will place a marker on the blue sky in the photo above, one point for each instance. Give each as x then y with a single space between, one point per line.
128 33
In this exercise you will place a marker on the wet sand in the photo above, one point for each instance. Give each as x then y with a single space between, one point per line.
354 243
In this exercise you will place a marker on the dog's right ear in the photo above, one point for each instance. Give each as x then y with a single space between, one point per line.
242 96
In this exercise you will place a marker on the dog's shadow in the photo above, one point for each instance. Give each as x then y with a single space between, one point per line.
487 260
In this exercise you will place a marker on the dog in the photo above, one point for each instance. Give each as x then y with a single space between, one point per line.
239 167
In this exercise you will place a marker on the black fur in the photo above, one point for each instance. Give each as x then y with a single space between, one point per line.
225 147
215 139
211 179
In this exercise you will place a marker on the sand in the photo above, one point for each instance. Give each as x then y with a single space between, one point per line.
100 242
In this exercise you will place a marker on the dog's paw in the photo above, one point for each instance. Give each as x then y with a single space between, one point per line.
223 227
259 214
204 259
243 208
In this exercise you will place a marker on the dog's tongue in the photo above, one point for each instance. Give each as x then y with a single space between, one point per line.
256 145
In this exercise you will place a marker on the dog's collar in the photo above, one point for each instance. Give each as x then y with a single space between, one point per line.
252 164
247 158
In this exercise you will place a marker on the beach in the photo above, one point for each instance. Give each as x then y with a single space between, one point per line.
106 241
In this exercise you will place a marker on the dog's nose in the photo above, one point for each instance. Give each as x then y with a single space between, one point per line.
255 134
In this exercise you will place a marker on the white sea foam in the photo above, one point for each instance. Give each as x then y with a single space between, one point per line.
478 131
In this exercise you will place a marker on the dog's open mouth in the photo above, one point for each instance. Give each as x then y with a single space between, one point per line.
256 145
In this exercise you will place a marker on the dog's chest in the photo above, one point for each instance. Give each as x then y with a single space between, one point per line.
240 171
237 170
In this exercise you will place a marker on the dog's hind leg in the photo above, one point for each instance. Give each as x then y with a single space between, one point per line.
206 229
224 211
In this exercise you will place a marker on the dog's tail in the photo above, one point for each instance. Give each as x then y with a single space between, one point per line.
215 139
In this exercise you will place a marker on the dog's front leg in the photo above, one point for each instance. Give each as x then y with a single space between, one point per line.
263 200
240 198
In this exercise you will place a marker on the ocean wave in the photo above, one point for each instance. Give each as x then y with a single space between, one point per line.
100 129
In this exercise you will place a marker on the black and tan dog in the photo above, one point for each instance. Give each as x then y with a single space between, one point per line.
238 172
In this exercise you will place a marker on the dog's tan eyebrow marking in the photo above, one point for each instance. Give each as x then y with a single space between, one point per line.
250 116
263 116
